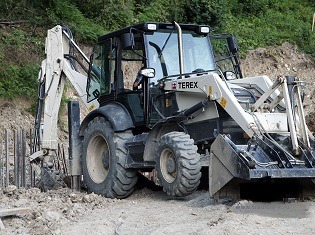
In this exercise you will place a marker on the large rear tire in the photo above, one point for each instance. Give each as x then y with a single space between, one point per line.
103 158
178 164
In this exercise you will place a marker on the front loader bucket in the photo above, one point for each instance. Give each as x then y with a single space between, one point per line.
263 160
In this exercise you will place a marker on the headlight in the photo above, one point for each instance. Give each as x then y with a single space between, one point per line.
151 27
204 29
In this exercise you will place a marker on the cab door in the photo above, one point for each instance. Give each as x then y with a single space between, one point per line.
100 76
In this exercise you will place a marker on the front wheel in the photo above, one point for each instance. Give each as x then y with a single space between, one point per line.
103 157
178 164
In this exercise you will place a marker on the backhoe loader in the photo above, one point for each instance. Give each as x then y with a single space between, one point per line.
172 98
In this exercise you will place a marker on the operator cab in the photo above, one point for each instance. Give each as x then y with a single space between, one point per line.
127 66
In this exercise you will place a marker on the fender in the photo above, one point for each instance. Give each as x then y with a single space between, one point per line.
117 115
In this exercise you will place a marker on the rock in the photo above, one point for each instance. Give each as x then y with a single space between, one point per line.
73 197
10 189
52 216
22 202
57 232
87 199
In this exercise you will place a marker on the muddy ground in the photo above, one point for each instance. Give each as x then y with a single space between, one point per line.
148 212
153 212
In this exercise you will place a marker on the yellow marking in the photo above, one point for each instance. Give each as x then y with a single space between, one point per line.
91 107
167 103
210 90
223 102
245 136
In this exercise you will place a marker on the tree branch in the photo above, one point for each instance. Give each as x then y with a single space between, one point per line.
5 22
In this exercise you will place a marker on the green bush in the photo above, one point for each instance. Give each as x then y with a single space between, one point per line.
66 13
282 21
251 7
204 11
156 10
111 15
18 81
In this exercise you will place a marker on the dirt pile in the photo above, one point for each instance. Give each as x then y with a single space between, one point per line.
14 115
285 60
47 211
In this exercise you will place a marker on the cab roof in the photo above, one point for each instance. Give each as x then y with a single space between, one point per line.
144 27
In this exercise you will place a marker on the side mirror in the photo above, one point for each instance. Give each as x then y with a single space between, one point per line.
148 72
127 41
229 75
232 44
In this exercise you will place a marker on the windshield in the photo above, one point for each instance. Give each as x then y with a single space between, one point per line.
162 53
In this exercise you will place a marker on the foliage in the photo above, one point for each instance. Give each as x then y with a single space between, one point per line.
156 10
250 7
204 11
254 22
48 13
18 81
110 14
271 23
65 13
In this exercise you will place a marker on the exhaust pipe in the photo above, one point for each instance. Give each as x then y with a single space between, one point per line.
180 49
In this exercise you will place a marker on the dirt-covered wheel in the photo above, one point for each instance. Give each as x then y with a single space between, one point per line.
103 157
178 164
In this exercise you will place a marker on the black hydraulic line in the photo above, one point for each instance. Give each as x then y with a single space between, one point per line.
39 112
71 57
195 108
74 45
270 145
71 47
275 151
307 155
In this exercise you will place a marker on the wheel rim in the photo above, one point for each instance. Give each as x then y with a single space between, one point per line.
97 158
168 165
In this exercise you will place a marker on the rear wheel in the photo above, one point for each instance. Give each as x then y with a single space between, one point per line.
103 158
178 164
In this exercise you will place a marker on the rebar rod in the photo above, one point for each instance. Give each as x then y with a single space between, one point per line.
16 159
7 157
23 156
1 165
32 180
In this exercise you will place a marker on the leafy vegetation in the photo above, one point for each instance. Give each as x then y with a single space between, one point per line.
256 23
17 81
263 23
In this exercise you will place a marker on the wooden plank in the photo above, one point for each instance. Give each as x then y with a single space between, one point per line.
13 211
